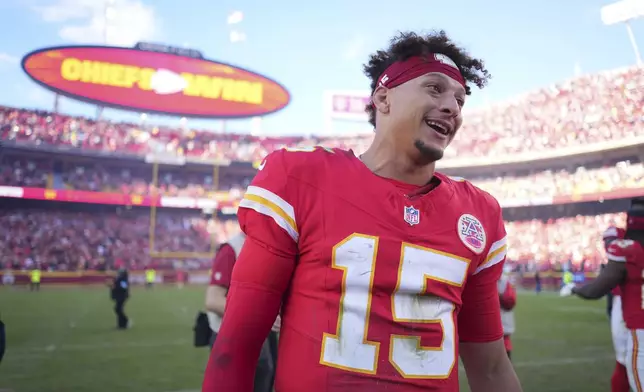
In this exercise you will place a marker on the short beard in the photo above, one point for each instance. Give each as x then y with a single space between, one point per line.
428 154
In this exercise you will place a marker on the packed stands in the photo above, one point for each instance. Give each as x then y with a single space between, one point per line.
585 110
66 240
17 171
549 244
624 175
588 109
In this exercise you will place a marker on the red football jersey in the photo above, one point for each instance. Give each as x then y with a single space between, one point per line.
613 233
632 253
387 279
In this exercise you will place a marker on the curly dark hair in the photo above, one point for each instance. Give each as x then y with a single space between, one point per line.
409 44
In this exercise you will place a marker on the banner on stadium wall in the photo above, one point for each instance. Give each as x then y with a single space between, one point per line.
90 277
155 81
579 277
346 105
228 203
221 200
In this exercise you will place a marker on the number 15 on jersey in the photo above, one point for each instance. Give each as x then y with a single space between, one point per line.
348 348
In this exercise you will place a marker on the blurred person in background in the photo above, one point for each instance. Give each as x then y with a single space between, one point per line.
216 293
3 340
508 299
150 277
34 278
619 332
8 279
120 292
625 268
181 276
537 282
610 296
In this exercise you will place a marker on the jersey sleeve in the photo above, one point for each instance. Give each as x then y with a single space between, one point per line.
259 281
261 275
222 266
267 211
480 317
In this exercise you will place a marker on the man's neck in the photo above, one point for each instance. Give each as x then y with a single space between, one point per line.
383 161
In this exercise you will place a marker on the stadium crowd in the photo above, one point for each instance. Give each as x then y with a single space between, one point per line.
551 244
587 109
64 241
68 240
550 183
15 171
97 177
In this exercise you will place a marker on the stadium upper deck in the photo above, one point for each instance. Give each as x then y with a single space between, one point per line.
592 113
587 134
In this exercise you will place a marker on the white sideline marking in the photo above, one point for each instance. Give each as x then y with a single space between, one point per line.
563 361
91 347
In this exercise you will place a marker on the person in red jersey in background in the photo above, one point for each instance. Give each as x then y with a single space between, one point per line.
385 270
508 300
181 275
216 295
625 268
619 332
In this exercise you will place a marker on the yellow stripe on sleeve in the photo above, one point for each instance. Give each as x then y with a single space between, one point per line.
268 203
495 255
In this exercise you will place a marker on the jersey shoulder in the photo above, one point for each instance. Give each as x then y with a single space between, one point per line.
625 250
300 162
467 193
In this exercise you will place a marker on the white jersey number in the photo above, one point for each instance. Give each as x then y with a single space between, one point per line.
349 349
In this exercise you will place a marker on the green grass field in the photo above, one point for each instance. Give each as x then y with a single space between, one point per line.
62 339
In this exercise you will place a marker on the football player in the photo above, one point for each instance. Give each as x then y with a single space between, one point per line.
216 293
625 268
508 300
386 271
619 332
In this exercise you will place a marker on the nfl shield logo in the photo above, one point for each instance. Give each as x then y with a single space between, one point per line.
412 216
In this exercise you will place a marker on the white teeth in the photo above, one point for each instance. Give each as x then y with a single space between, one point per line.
443 130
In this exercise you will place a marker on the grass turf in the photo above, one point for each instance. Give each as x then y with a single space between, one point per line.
63 339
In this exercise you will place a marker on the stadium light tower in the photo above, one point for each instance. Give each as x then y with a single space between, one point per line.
625 11
108 14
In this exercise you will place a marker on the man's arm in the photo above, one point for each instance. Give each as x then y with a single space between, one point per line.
481 347
260 278
482 350
259 281
216 299
222 270
612 275
488 367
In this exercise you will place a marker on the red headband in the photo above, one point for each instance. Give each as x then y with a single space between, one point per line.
635 222
404 71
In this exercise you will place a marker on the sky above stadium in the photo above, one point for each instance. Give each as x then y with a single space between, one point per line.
311 47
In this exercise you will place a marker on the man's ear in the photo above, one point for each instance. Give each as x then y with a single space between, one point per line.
380 99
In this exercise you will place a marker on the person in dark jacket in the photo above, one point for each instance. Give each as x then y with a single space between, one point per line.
120 293
2 340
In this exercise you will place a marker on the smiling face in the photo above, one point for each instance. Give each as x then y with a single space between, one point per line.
422 115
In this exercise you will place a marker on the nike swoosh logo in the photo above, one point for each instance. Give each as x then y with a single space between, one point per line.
261 165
